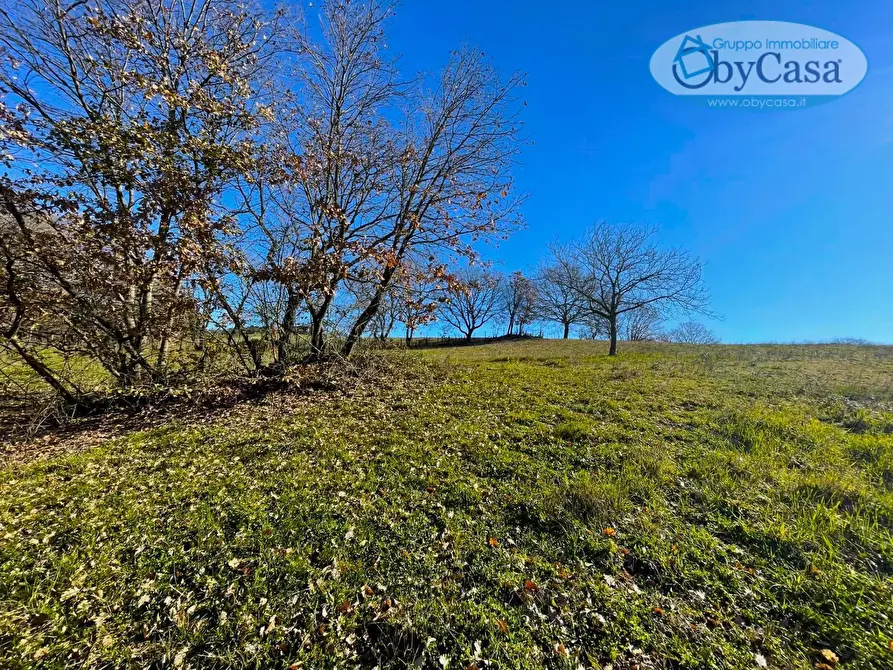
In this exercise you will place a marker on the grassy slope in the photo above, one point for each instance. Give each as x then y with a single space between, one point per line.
526 505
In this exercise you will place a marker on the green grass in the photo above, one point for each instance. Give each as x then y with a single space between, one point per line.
523 505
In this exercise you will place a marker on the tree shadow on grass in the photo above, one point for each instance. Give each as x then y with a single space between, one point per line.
102 417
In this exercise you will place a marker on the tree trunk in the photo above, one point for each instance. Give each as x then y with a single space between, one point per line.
356 331
567 331
161 359
409 333
44 372
469 334
511 324
239 327
130 375
613 325
317 338
287 327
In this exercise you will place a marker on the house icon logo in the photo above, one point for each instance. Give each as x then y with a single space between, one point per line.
693 60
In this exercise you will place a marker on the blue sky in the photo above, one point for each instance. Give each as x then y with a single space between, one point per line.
792 210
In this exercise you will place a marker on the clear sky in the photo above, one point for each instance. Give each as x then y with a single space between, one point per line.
792 210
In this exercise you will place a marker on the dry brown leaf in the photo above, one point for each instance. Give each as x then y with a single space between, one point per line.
829 656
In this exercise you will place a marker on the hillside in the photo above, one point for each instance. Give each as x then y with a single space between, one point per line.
508 505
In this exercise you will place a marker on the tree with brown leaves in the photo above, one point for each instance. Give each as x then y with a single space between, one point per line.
366 173
122 124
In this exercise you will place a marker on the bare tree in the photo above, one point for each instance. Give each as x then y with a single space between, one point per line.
692 332
557 299
473 301
594 327
518 301
620 268
317 191
641 325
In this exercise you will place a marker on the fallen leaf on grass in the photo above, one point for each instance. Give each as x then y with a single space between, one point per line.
502 626
829 656
610 532
493 542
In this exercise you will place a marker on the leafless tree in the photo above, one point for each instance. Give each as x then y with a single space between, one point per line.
620 268
518 301
692 332
321 192
557 299
594 327
473 301
641 325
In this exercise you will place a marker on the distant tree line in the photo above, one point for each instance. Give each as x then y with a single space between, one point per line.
615 283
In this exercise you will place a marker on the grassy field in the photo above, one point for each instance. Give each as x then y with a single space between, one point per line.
519 505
